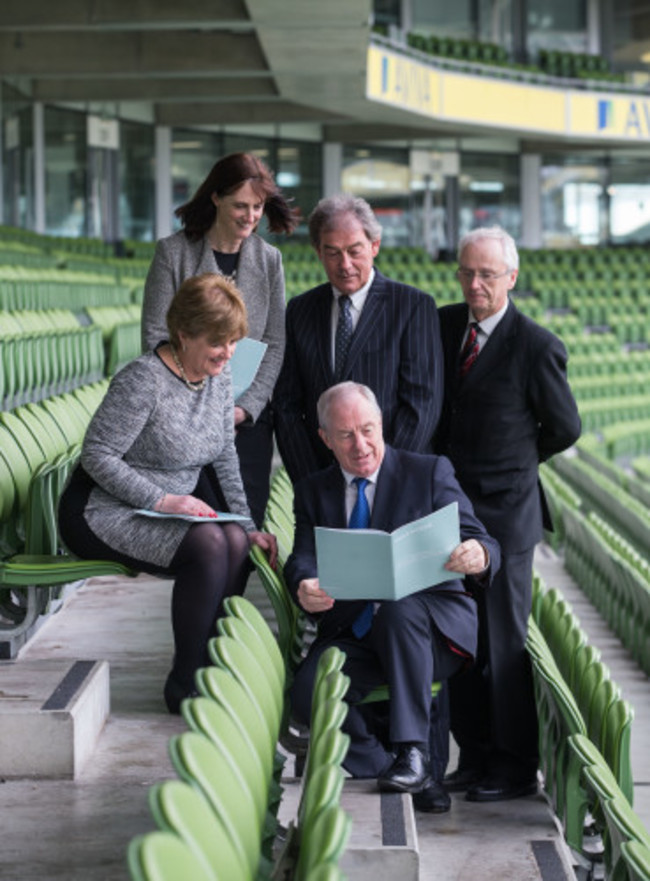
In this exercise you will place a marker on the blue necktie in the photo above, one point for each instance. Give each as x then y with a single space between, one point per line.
344 331
360 519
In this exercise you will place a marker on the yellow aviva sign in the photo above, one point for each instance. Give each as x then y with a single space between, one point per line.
480 100
395 80
608 116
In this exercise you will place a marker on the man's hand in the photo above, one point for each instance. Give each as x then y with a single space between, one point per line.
312 598
469 558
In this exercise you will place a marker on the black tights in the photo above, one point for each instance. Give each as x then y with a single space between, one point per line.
210 564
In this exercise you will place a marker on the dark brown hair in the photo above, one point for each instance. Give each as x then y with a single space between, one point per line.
207 304
225 177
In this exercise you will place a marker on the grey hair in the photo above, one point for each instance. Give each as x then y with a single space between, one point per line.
495 234
324 216
343 390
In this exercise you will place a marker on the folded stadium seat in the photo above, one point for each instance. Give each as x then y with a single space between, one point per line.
636 857
163 856
182 809
199 762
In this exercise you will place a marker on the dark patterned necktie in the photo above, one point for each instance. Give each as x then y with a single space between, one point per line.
360 519
344 331
469 352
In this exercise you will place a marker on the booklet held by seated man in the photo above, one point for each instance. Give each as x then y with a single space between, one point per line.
368 564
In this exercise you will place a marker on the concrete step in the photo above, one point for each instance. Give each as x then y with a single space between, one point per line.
383 842
51 714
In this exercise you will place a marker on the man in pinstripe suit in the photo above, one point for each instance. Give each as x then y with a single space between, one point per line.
393 342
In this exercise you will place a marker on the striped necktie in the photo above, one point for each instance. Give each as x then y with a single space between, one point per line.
469 352
344 331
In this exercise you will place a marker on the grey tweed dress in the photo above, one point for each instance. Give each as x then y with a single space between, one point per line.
152 435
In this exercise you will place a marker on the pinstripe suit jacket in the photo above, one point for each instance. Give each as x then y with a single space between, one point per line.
259 279
395 350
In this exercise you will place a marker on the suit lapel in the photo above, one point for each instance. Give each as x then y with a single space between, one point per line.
494 351
321 319
386 493
371 315
332 498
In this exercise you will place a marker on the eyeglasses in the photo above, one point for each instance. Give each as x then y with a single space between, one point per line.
469 274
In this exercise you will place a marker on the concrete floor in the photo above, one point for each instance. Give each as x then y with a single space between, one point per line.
74 830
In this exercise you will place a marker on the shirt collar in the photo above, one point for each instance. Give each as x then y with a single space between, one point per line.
359 295
488 324
372 478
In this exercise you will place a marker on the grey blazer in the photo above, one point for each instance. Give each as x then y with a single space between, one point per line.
260 279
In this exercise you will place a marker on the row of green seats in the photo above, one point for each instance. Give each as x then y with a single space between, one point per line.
600 452
627 438
618 588
35 321
583 724
39 365
602 412
219 820
23 290
606 498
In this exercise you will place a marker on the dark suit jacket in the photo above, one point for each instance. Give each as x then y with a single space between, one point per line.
513 410
409 486
395 350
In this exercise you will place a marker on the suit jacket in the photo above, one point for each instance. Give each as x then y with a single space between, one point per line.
513 410
409 486
260 280
395 350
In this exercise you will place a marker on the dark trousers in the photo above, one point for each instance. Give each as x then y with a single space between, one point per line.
405 650
492 706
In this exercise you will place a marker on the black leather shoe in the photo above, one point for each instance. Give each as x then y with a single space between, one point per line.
432 800
408 773
461 779
501 790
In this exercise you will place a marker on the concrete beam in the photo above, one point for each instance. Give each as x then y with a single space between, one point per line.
31 15
158 89
129 54
189 114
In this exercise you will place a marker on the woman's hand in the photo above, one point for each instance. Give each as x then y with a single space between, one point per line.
170 504
240 415
268 542
469 558
312 597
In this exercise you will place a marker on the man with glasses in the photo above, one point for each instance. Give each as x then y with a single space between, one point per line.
507 407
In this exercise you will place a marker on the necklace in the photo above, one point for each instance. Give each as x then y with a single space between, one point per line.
195 386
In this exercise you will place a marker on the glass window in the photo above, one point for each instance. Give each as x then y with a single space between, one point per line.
382 176
631 33
66 157
629 201
137 187
295 164
17 158
490 192
495 22
387 12
573 201
557 24
446 19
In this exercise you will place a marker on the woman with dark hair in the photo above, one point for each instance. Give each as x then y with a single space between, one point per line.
218 234
167 416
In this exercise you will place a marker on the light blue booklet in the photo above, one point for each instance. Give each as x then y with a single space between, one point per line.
244 363
368 564
222 516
